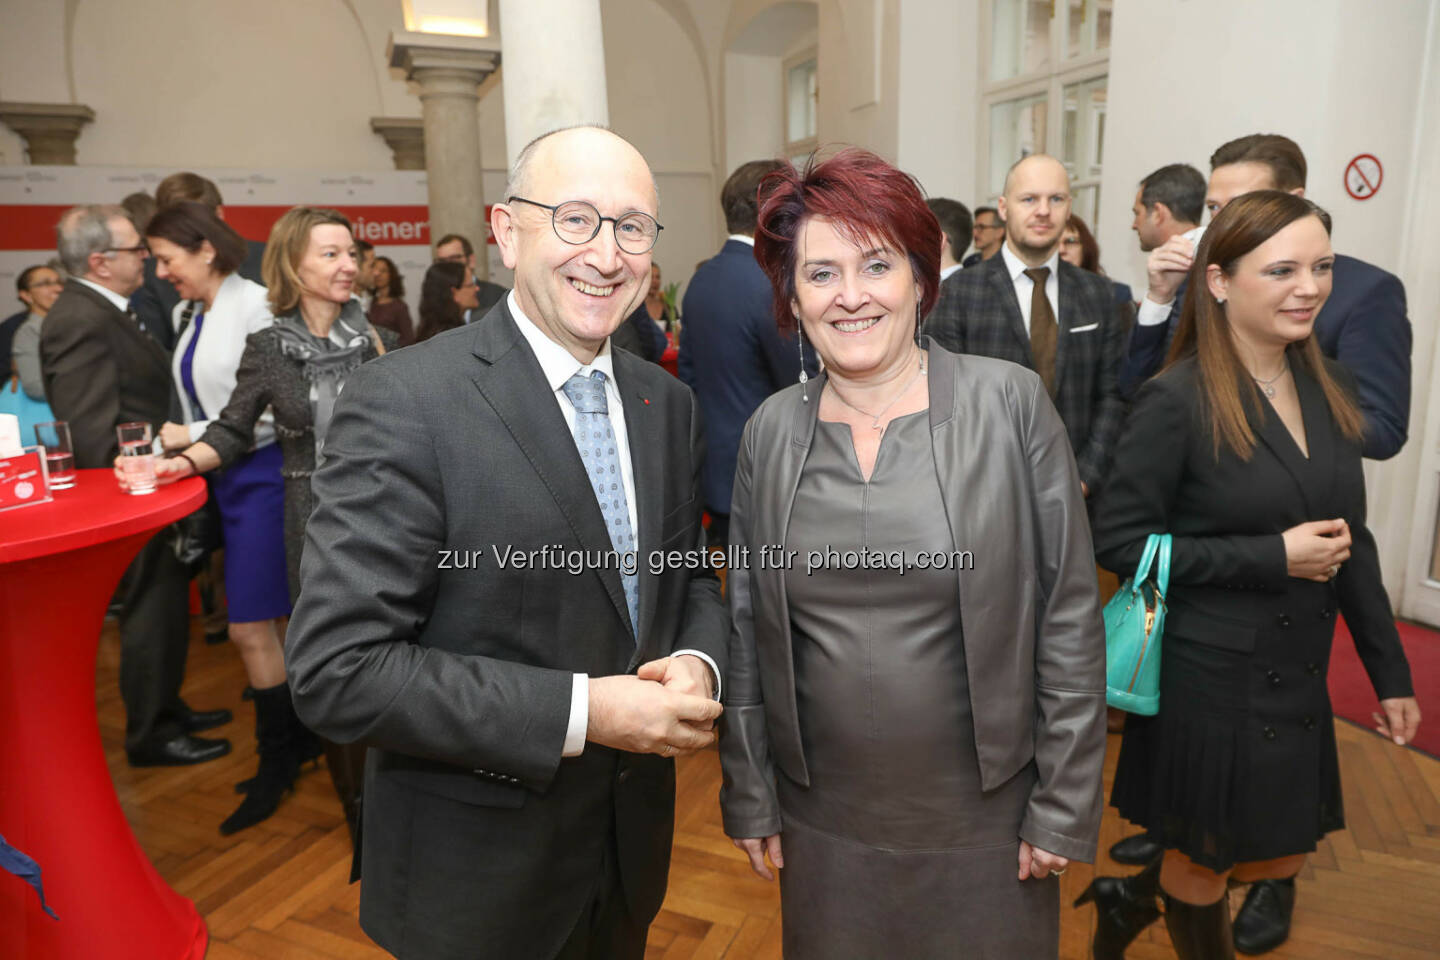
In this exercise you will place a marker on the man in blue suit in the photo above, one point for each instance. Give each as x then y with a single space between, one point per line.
1363 325
731 353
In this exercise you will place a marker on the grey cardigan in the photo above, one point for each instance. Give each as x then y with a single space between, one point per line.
1030 611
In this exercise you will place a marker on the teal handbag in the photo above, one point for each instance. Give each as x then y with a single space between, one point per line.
1134 622
13 399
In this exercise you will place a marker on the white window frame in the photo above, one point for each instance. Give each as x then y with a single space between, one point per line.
1051 83
806 145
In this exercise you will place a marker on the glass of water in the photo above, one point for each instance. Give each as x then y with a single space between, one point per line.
59 453
137 457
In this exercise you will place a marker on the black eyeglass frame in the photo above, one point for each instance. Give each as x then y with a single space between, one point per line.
600 222
142 248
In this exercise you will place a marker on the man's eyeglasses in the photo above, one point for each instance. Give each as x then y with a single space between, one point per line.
141 249
990 226
44 283
579 222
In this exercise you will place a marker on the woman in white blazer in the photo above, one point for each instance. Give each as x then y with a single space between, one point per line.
197 252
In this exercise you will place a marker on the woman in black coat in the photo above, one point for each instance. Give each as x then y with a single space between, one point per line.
1246 449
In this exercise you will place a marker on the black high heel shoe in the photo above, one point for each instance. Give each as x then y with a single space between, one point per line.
1124 907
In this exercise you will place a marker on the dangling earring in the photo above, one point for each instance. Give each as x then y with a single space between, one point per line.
804 377
917 326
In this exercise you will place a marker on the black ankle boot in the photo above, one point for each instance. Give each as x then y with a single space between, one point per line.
1124 907
278 760
1200 933
1137 851
1263 922
304 744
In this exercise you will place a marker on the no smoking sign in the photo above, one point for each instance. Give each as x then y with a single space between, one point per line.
1363 176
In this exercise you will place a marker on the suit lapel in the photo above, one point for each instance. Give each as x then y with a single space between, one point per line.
511 381
1076 308
130 329
1003 289
772 499
642 430
1273 433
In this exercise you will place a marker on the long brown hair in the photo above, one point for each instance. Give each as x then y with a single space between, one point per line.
1204 331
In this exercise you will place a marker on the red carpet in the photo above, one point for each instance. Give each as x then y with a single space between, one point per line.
1354 700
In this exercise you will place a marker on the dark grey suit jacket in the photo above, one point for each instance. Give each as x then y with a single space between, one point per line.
1033 638
479 839
100 370
978 313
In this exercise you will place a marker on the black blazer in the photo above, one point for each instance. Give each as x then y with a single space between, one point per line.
1228 566
100 370
1363 325
978 313
733 356
479 838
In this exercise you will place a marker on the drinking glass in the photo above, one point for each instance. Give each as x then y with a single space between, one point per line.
59 453
137 457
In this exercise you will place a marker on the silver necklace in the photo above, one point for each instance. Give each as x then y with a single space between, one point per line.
1268 386
875 417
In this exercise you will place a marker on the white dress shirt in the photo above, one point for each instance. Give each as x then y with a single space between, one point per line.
559 366
946 271
742 237
1025 287
121 303
1150 312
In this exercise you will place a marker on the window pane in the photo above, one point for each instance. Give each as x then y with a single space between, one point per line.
1089 28
1082 130
1019 37
801 91
1017 129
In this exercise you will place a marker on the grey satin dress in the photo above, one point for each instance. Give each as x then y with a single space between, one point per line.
893 849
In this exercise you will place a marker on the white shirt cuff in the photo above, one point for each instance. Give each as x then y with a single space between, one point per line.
714 670
1152 313
579 716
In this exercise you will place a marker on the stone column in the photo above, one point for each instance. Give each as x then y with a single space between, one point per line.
50 129
554 68
405 136
449 70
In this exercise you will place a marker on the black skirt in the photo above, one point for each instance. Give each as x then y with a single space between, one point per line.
1240 763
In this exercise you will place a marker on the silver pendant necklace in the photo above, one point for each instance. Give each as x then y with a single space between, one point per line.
875 417
1268 386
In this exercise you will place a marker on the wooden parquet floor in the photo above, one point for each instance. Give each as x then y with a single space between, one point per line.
279 891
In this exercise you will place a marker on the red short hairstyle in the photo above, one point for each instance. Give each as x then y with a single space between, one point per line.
866 198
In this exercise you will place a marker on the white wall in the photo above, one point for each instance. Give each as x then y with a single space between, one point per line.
754 109
938 97
1339 77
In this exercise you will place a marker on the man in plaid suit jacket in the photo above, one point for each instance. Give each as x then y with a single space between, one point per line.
987 310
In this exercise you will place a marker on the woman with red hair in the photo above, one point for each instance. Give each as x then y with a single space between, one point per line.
915 702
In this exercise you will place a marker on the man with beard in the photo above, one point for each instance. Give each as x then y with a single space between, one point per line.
1028 306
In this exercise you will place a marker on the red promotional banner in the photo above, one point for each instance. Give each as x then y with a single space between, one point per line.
32 226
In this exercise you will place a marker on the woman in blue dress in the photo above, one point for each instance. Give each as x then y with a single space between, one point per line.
197 252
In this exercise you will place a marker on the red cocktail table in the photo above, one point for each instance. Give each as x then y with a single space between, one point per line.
59 564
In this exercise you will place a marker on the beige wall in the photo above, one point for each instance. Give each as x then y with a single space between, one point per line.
293 85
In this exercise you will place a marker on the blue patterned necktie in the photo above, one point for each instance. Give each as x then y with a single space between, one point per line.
595 438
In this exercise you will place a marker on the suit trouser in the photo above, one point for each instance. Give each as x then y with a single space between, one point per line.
606 930
154 641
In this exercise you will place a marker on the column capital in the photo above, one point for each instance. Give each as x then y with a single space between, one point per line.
419 53
50 129
405 136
